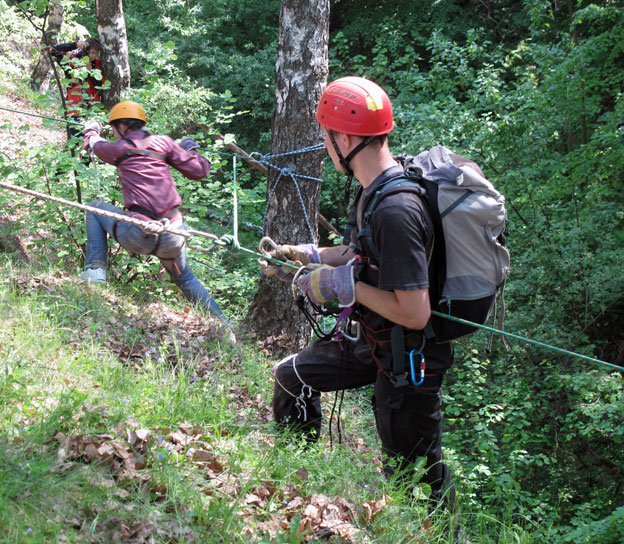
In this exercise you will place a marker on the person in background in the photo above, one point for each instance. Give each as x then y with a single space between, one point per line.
71 57
143 162
389 289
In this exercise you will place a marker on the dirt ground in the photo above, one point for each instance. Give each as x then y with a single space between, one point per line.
18 132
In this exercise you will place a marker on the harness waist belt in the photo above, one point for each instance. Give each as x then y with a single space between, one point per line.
170 214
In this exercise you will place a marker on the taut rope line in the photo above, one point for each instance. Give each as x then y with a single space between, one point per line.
43 116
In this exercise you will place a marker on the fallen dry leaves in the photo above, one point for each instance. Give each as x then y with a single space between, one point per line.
129 451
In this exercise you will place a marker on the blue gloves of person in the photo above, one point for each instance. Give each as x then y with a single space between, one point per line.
327 283
296 255
189 144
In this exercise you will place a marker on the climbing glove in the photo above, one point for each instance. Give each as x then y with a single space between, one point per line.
299 255
302 253
328 283
189 144
91 135
92 125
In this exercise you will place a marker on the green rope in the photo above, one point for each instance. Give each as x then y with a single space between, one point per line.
43 116
534 342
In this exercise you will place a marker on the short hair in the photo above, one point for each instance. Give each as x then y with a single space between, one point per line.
131 124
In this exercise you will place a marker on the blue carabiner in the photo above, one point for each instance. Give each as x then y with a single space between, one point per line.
422 367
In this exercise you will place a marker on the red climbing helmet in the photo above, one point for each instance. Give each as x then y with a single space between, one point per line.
355 105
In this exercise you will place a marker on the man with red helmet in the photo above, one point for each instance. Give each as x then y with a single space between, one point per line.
390 292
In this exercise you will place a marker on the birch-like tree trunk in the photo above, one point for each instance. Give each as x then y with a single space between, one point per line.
115 60
301 75
42 73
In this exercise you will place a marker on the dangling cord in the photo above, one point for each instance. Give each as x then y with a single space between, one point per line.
342 375
316 328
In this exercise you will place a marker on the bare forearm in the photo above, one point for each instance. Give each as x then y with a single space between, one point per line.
408 308
336 255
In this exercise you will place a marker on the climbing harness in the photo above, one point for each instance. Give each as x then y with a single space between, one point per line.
140 149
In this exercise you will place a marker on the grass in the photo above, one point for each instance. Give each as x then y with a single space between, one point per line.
126 418
116 426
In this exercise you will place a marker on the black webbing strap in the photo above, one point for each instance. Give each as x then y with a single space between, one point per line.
399 373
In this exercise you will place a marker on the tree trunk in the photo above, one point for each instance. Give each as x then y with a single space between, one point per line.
301 74
115 61
40 78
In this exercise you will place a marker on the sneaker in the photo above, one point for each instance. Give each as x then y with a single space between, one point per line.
95 275
230 337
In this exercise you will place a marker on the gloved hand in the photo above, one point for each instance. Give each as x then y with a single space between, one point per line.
90 139
189 144
92 125
328 283
299 255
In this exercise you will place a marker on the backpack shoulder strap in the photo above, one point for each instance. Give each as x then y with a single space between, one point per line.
135 149
400 183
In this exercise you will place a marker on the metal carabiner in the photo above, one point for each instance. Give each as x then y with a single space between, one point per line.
293 286
266 240
358 331
422 367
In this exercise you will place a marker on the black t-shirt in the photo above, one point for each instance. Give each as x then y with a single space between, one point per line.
402 232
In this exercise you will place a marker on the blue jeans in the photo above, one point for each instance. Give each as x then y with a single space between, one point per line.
170 251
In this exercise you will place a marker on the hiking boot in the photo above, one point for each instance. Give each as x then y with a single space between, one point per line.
95 275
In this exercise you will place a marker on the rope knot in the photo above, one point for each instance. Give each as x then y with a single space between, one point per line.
153 227
229 240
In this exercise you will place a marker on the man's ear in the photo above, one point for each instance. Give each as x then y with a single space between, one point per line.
346 140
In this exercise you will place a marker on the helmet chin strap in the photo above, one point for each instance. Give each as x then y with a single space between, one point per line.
344 162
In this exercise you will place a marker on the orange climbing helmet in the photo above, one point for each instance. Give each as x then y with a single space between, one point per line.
355 105
127 110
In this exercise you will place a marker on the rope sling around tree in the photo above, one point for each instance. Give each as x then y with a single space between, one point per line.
157 227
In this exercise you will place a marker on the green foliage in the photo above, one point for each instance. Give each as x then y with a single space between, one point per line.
530 90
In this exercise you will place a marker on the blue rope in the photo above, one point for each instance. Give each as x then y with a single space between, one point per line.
286 171
289 173
316 147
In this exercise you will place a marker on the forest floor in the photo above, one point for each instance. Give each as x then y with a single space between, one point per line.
128 419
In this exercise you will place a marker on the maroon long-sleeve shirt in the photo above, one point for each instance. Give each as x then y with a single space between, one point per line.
146 180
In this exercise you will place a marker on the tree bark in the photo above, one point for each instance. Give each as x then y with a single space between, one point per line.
115 60
42 73
301 74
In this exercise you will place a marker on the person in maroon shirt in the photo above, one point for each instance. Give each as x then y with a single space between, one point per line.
143 163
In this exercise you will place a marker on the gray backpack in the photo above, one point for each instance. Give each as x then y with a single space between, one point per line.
468 260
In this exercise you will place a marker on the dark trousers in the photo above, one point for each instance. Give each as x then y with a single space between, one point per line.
408 419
